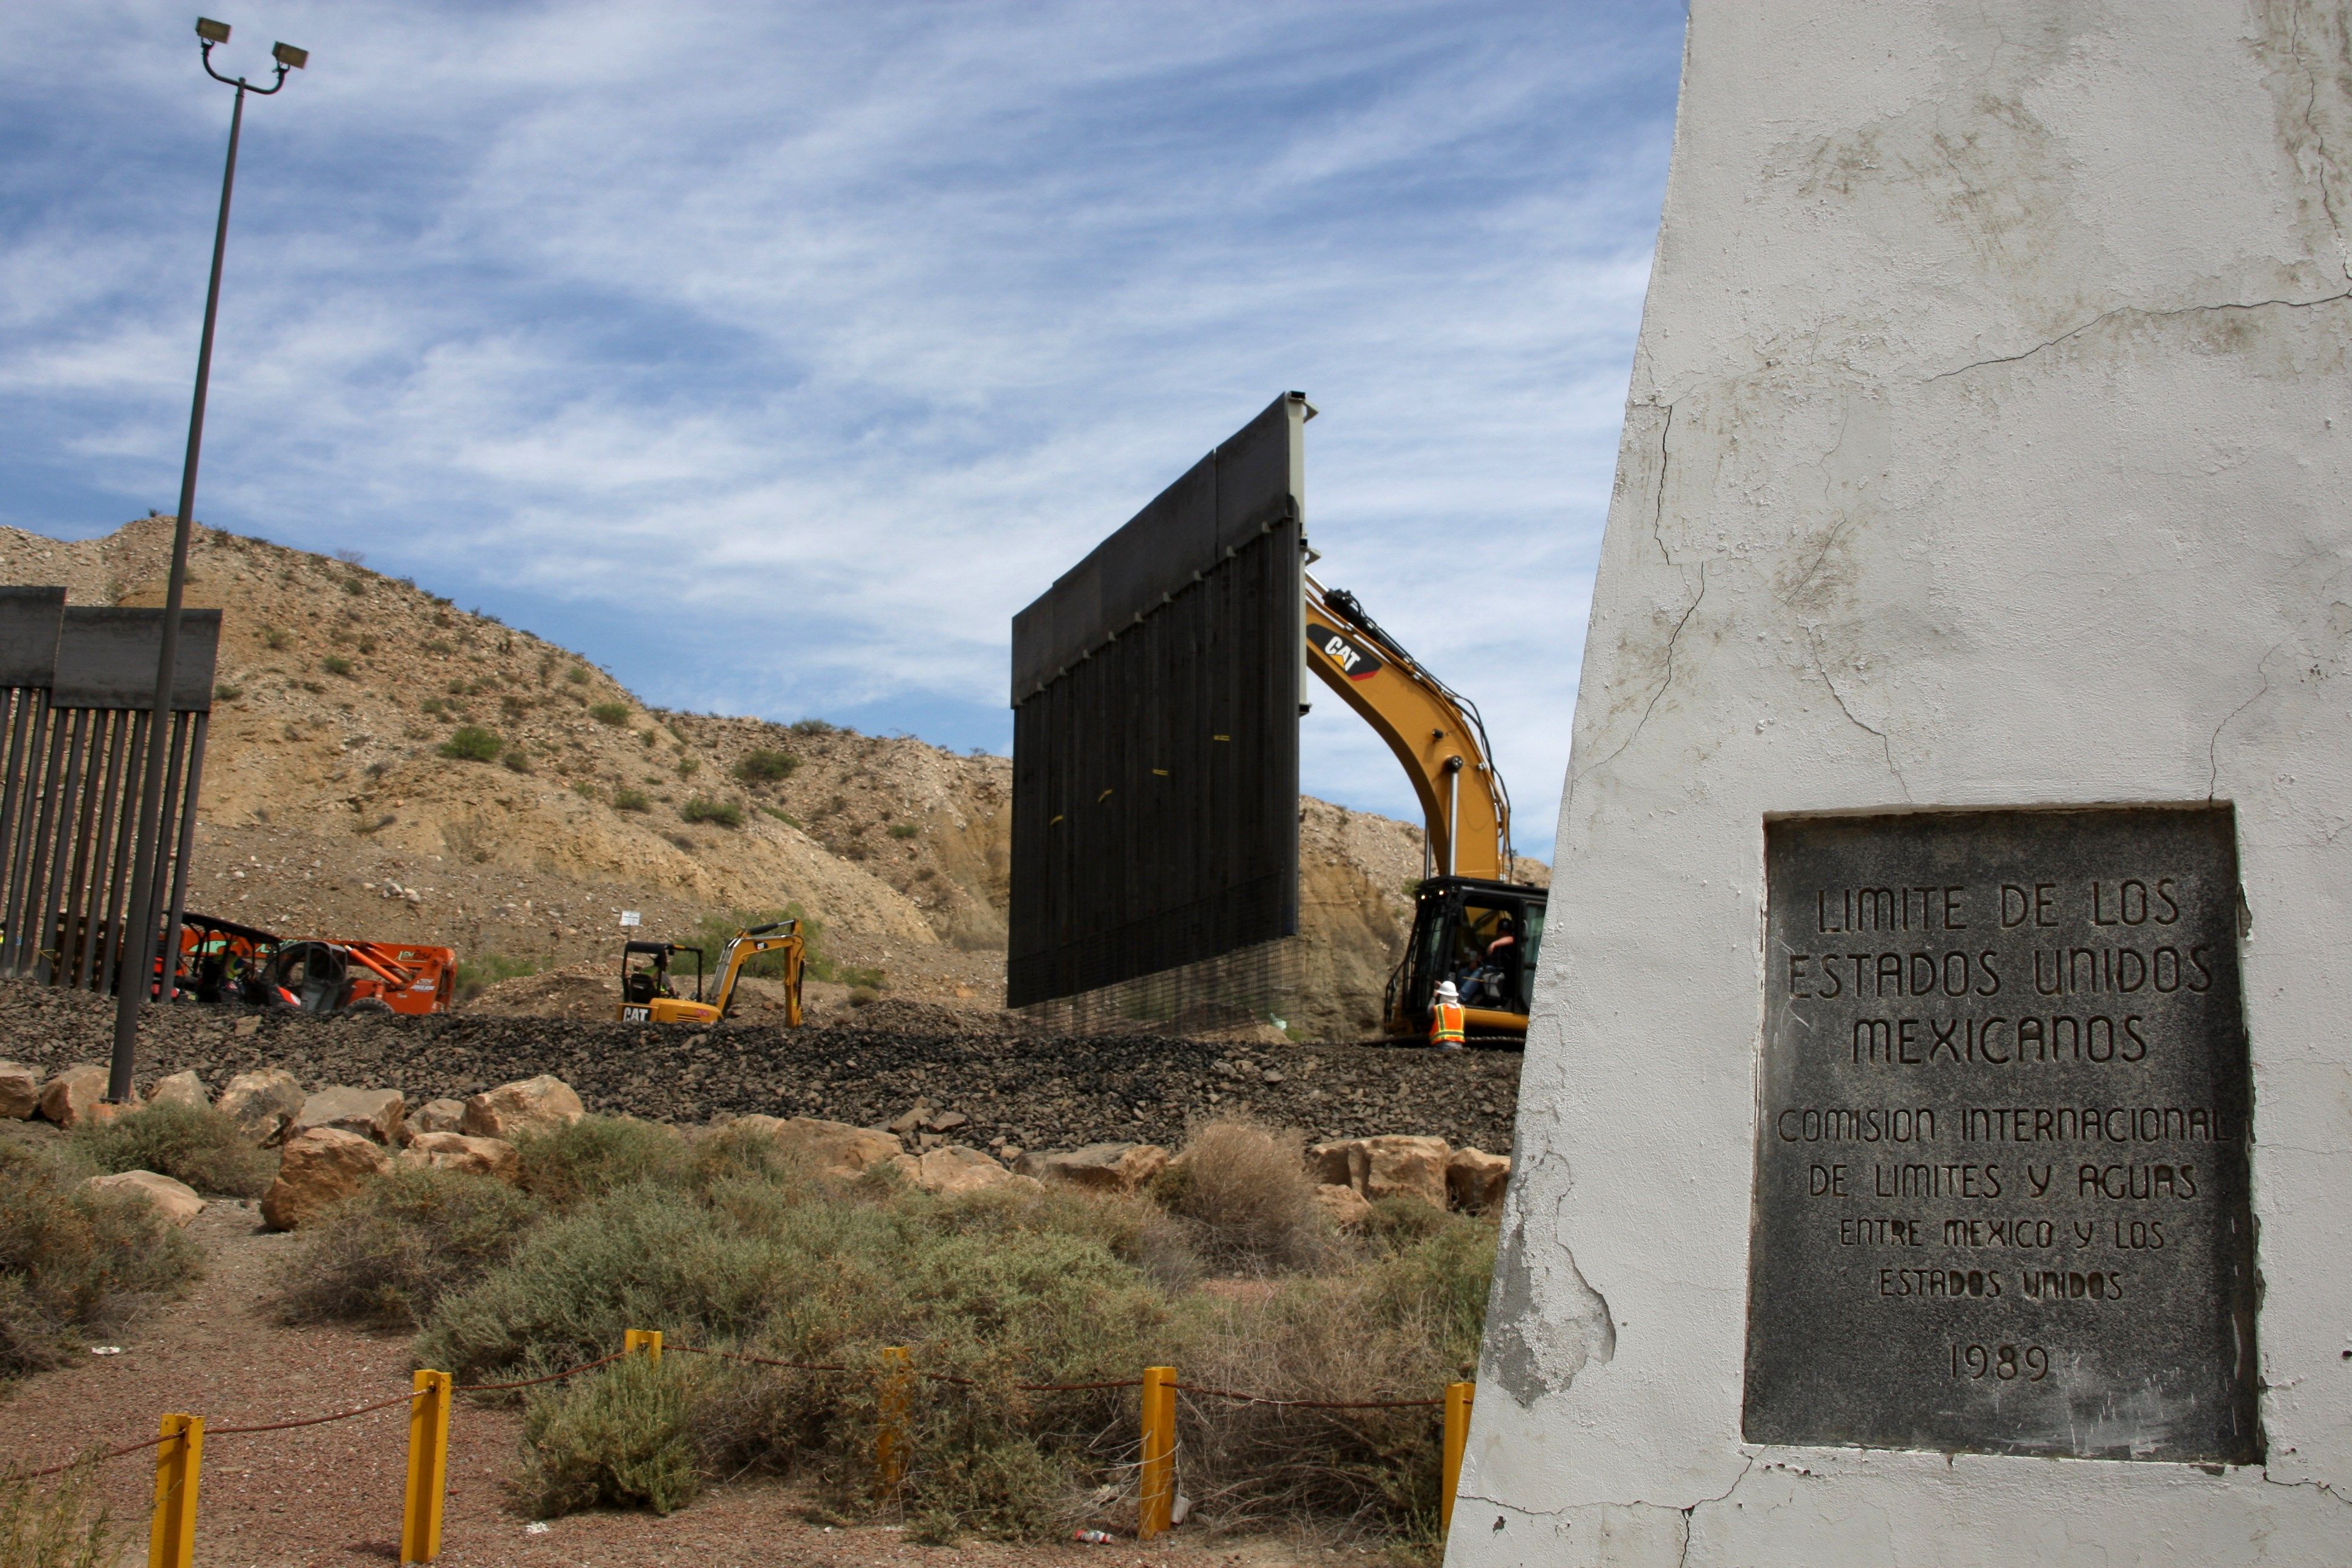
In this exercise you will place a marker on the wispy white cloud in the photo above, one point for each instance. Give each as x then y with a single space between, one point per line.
777 354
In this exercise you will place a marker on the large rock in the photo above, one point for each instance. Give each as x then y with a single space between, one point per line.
180 1088
1397 1165
1391 1165
372 1113
492 1157
1474 1181
1338 1164
74 1095
320 1169
1100 1167
176 1201
438 1116
262 1104
956 1169
1343 1205
20 1090
542 1104
834 1148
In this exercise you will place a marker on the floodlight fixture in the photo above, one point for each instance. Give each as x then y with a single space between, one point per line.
211 32
287 55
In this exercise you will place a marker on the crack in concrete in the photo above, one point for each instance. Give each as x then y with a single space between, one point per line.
2323 1488
2318 137
1885 745
2105 316
1673 637
2213 744
1683 1559
1658 503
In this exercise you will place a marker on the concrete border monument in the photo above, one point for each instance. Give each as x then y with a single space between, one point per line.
1970 639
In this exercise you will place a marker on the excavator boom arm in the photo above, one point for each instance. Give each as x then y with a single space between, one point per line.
742 950
1435 734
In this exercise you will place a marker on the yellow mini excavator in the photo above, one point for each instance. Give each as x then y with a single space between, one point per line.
648 995
1471 924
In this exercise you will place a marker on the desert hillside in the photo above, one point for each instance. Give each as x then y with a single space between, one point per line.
332 804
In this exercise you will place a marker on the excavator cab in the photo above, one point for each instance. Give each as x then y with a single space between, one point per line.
1482 935
645 982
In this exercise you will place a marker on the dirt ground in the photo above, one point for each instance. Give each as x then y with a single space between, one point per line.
330 1494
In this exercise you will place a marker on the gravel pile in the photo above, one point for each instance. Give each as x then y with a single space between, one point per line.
1040 1093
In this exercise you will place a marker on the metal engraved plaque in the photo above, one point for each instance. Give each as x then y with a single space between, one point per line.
2000 1198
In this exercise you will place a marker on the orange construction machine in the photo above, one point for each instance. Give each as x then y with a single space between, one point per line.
222 961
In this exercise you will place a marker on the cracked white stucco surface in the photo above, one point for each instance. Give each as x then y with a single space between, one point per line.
1987 446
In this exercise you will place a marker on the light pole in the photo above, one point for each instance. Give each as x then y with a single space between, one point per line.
139 953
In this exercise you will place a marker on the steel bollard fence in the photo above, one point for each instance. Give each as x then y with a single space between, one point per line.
428 1469
1156 1504
646 1340
172 1538
891 1405
1458 1396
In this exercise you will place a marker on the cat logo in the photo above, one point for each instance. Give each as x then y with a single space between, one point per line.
636 1015
1355 661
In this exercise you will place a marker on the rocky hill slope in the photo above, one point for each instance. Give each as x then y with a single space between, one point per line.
338 800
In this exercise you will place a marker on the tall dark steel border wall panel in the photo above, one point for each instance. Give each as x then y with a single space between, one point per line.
1155 729
75 730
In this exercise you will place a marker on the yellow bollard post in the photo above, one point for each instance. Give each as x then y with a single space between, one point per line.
172 1538
646 1340
890 1404
428 1469
1157 1501
1457 1437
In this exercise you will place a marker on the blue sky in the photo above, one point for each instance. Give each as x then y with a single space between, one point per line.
774 355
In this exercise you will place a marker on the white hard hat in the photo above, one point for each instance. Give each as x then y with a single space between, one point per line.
1445 991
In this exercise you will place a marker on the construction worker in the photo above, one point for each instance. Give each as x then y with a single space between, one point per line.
1445 1018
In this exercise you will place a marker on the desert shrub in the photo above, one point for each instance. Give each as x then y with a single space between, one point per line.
620 1436
761 767
388 1254
516 762
190 1144
904 830
630 800
811 726
226 693
702 808
276 637
478 973
786 818
598 1154
336 664
66 1526
1001 1287
577 674
74 1261
724 1243
613 714
864 995
688 767
1244 1188
472 743
1402 1324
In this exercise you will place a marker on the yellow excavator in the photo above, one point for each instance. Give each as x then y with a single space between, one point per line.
649 995
1471 924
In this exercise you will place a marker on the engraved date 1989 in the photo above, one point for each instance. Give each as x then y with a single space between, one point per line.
2006 1363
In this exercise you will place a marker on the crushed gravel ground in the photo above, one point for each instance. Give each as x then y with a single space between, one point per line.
330 1496
1038 1093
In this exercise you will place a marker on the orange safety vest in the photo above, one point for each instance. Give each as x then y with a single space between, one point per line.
1446 1024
